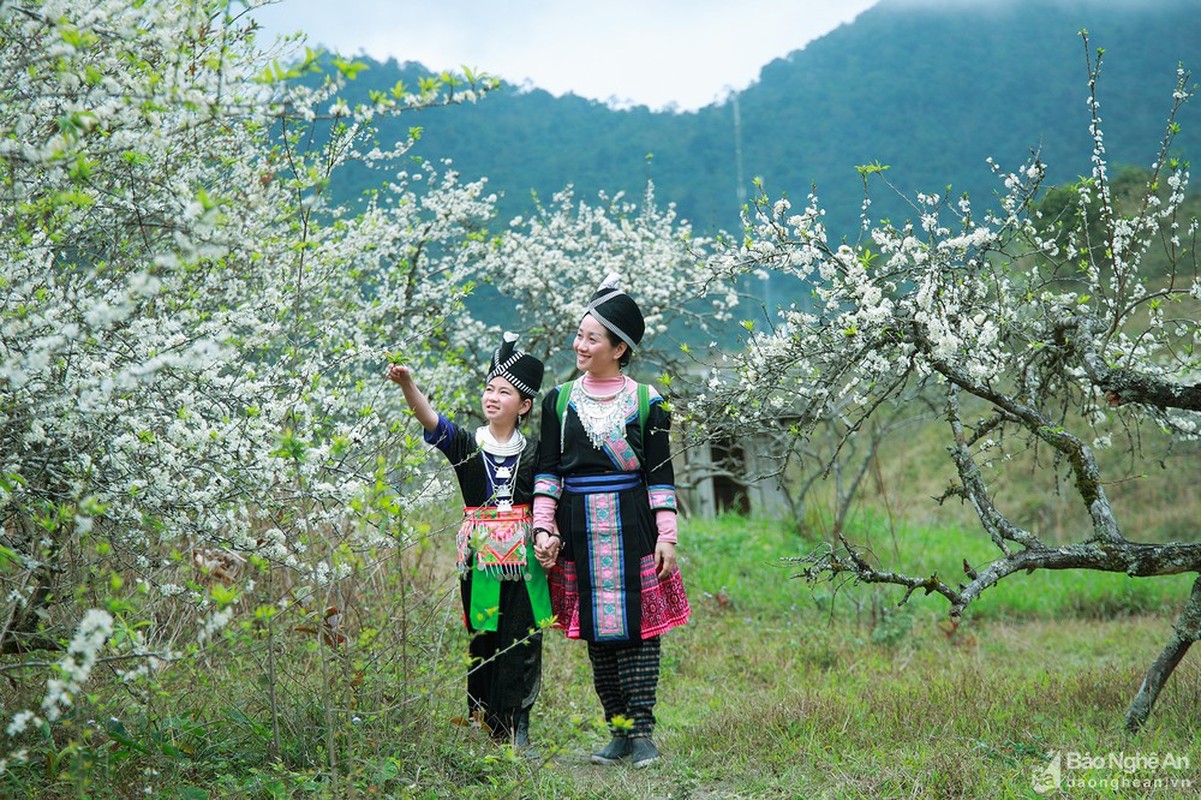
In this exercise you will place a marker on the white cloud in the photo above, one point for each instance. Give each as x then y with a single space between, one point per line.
650 52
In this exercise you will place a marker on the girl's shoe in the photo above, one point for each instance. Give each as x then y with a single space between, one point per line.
521 732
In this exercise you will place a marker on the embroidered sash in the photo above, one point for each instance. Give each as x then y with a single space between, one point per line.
500 544
497 538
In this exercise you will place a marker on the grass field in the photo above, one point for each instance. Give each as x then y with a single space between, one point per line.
780 689
776 689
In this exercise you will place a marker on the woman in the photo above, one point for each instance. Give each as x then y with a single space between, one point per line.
605 513
503 588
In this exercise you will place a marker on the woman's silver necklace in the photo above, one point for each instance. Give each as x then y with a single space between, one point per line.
603 416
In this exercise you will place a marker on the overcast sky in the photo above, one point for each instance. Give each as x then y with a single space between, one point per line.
660 53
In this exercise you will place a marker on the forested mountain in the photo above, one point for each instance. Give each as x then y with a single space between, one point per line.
931 89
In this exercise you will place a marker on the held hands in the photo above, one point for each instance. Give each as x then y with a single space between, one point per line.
546 547
665 559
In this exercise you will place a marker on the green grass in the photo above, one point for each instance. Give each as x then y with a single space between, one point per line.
749 563
777 688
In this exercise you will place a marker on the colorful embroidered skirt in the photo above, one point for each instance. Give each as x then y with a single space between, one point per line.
604 588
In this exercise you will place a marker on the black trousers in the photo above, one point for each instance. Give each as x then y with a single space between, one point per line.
505 673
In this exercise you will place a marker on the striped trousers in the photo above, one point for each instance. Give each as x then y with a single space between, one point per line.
626 676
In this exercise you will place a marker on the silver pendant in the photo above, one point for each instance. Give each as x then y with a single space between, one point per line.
504 497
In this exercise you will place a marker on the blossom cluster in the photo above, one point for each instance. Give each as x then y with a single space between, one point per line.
563 252
75 668
192 335
987 300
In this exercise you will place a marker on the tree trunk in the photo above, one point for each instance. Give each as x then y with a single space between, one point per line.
1187 631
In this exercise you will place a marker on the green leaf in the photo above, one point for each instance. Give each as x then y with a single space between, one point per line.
871 169
349 69
224 595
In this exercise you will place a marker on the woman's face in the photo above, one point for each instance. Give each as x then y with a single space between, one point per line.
595 352
503 403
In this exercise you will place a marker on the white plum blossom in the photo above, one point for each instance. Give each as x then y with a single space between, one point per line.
19 722
567 247
74 669
192 336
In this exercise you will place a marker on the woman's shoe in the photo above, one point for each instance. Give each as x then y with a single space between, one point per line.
617 749
643 752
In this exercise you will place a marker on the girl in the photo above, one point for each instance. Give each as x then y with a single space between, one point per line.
503 588
605 511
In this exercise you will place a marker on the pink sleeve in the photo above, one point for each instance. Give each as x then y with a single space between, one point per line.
544 512
665 521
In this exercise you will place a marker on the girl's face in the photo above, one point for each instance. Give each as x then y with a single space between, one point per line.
594 351
503 403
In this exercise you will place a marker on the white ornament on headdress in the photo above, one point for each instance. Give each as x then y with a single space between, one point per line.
600 298
504 368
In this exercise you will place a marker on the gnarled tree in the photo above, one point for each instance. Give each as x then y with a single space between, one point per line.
1031 334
